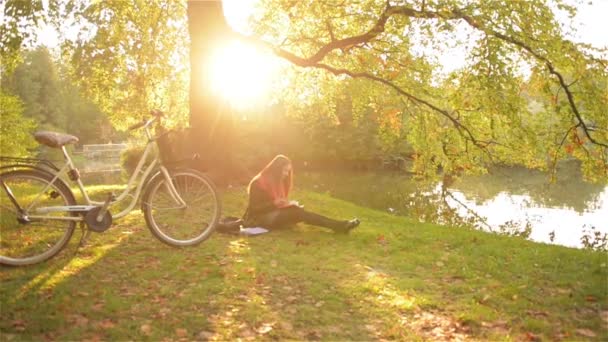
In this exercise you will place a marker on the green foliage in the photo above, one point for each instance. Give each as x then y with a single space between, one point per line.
130 157
18 17
52 101
478 115
36 82
15 130
372 82
132 57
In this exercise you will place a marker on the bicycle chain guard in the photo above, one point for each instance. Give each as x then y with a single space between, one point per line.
90 218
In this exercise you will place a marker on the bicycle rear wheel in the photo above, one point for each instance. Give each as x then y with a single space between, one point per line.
179 225
24 243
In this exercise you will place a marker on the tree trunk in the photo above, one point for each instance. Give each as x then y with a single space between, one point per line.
210 117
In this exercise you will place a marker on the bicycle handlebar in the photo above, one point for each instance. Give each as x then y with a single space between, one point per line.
156 112
144 123
138 125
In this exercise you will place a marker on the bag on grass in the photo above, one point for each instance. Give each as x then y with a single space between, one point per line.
229 225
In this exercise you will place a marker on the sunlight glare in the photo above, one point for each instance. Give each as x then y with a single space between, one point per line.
242 74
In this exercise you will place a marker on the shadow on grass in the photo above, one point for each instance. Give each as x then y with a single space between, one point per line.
390 279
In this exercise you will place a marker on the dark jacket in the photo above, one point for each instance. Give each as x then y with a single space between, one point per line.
260 203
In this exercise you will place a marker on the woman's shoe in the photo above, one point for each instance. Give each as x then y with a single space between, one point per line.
348 226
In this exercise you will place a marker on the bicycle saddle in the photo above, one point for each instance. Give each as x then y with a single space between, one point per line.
54 139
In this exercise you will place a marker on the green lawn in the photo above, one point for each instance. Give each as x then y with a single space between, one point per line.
392 278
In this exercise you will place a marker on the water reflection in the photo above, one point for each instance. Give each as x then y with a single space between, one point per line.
569 191
507 199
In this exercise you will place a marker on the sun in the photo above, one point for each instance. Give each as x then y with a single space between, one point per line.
242 74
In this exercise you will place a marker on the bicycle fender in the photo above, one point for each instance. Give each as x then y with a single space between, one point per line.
22 166
152 177
14 167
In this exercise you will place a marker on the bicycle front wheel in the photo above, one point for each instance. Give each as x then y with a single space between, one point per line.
22 242
178 223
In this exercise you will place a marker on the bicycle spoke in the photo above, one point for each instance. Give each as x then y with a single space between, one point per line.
179 225
40 239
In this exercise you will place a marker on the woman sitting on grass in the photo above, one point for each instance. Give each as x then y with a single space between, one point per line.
270 208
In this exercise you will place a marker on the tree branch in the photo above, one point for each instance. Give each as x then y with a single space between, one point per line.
473 23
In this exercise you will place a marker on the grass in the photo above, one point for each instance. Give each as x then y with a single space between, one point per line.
392 278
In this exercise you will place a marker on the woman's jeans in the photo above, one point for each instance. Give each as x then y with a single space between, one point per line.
280 218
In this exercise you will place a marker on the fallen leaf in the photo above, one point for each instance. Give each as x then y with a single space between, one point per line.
286 326
18 322
319 304
205 335
591 299
245 333
78 320
314 335
537 313
585 332
180 332
532 337
106 324
146 329
264 329
485 298
604 316
97 307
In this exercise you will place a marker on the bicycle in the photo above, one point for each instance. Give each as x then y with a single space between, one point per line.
39 212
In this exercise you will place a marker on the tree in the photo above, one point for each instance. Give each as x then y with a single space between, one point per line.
36 83
51 100
489 111
476 115
210 118
131 57
15 137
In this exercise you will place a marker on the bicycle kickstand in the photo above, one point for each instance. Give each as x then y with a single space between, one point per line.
85 235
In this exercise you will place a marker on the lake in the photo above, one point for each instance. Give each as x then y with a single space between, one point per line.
507 200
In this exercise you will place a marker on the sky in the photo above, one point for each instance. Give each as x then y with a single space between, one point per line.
590 19
590 23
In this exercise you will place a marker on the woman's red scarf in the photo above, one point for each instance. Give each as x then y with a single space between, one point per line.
276 190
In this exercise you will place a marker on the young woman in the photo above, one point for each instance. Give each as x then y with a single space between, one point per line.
269 206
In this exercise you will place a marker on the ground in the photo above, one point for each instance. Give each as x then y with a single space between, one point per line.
392 278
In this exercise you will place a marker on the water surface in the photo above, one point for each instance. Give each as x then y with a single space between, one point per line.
507 199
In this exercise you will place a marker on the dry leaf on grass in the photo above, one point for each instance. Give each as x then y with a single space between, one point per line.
585 332
604 316
106 324
146 329
180 332
265 328
205 335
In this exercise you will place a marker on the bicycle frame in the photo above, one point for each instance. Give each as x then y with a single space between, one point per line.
90 204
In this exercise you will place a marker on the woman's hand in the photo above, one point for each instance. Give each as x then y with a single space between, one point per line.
281 202
295 204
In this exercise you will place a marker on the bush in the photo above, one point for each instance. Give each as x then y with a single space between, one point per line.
130 157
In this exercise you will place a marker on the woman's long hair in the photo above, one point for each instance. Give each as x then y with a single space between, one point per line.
270 178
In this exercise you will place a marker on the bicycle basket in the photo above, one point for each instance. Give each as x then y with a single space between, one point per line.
175 147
